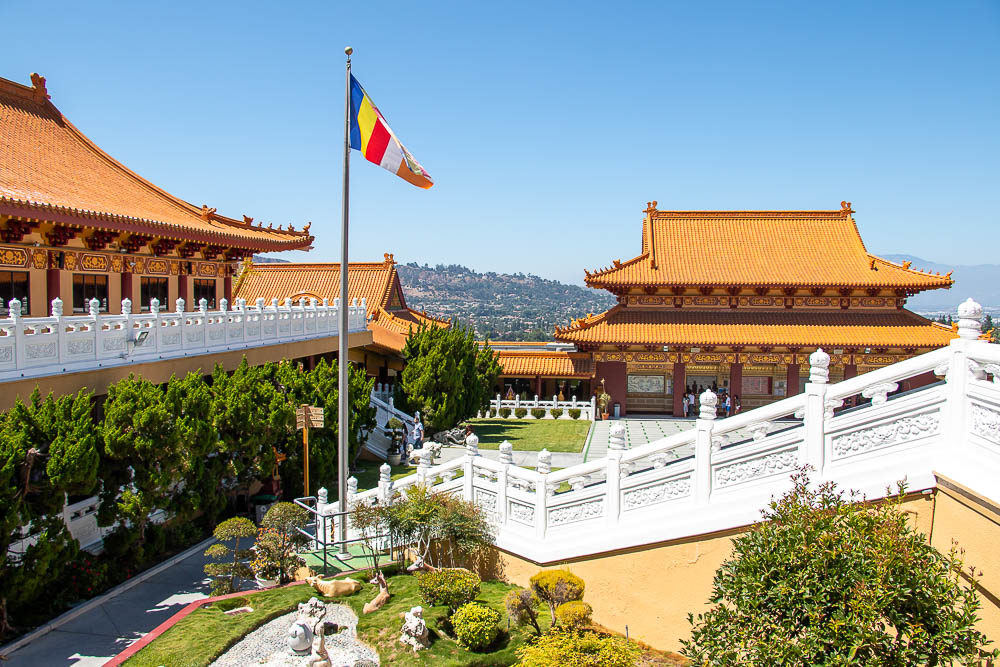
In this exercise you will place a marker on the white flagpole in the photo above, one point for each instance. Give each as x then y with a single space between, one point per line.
343 418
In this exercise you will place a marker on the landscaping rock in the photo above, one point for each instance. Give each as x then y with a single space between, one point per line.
266 646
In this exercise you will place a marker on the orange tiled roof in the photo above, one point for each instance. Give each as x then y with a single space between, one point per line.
755 248
50 171
640 326
376 282
549 363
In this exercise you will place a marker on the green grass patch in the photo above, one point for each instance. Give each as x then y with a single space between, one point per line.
533 435
205 634
367 475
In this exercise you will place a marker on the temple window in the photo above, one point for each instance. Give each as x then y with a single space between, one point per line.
152 288
204 289
13 285
87 286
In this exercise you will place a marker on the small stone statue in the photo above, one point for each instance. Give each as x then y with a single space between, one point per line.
414 630
300 634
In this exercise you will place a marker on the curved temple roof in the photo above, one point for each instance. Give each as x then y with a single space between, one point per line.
49 170
758 248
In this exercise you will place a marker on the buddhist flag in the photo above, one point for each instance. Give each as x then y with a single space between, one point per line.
371 135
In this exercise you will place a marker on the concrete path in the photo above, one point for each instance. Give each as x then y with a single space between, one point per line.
104 630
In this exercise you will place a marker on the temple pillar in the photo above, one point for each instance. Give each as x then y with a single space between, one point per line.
182 292
680 384
792 380
538 386
227 289
735 380
52 291
850 371
615 375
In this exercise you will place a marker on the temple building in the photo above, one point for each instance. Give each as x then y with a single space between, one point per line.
77 224
390 319
543 369
737 300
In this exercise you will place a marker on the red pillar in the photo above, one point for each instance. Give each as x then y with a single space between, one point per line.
227 289
735 381
538 386
680 380
614 375
52 291
792 380
126 287
850 371
182 290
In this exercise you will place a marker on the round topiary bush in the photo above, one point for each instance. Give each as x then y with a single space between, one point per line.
573 615
556 412
556 587
476 625
574 413
558 649
538 413
505 412
451 588
520 412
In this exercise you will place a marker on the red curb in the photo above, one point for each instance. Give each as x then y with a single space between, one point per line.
170 622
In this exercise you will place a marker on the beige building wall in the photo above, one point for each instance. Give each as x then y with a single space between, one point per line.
652 589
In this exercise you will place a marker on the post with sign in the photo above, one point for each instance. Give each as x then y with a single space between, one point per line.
306 417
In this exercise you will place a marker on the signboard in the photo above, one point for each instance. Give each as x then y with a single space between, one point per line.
308 416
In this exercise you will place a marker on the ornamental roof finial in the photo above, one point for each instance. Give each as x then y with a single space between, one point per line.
650 207
206 212
845 207
38 83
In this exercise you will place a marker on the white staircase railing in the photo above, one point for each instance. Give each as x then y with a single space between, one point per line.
37 346
379 440
651 493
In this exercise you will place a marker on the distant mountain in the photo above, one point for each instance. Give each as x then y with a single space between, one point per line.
499 306
981 282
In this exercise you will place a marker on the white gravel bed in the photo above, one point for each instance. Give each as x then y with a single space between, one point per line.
268 645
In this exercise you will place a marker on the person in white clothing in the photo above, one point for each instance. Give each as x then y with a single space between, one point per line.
685 405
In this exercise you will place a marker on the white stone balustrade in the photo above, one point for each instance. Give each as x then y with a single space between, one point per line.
648 494
37 346
588 409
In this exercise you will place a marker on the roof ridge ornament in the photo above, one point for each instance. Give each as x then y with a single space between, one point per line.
845 207
40 91
207 213
650 207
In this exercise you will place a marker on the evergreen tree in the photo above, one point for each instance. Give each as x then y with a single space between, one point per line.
190 401
447 377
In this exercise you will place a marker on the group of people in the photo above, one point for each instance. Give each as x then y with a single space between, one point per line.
729 405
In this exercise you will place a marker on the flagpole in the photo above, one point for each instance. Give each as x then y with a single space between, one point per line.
343 419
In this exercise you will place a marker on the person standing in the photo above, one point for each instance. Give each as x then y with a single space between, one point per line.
728 405
736 404
418 432
685 402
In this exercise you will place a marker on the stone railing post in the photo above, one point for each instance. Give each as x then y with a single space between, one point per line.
324 526
385 483
543 468
593 408
471 452
960 369
424 457
816 410
506 461
179 305
704 426
613 483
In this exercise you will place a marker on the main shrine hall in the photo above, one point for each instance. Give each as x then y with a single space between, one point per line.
737 300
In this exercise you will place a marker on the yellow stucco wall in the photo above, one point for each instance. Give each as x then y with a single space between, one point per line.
652 589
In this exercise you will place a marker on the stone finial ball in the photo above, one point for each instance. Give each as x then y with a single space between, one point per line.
617 430
819 358
970 310
709 397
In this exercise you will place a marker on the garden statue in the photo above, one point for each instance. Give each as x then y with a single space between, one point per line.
300 634
414 630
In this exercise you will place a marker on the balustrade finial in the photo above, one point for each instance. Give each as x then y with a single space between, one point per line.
313 301
819 367
544 465
384 474
57 307
616 436
259 303
323 496
203 305
274 303
126 306
179 305
471 444
326 302
154 306
223 305
15 308
94 306
708 401
241 304
506 453
302 302
970 316
352 486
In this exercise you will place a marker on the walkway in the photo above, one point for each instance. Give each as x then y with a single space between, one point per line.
103 631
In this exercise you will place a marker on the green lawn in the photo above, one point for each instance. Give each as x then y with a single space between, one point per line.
555 435
205 634
367 476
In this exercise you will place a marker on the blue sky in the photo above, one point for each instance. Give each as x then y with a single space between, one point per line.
546 126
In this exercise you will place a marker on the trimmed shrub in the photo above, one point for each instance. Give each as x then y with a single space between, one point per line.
557 412
556 587
538 413
586 649
522 607
520 412
574 413
476 625
505 412
574 615
451 588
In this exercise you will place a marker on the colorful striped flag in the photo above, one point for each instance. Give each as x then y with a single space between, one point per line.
371 135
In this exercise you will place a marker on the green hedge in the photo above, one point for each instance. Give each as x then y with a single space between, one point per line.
574 413
538 413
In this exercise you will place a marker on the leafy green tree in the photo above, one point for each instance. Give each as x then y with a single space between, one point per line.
189 399
47 450
827 580
251 416
280 539
226 575
447 376
143 454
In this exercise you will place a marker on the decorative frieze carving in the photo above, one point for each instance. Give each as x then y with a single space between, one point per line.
85 346
657 493
40 351
762 466
112 343
13 257
579 512
985 422
892 433
522 513
7 353
486 499
171 338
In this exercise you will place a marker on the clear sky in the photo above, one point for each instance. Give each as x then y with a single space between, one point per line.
546 126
